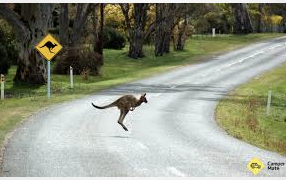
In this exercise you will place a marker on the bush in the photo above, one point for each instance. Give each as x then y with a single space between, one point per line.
4 63
112 39
81 59
9 41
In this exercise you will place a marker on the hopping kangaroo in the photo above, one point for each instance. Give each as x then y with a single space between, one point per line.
50 46
125 104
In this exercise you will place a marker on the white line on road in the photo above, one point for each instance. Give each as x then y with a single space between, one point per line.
141 145
175 171
272 47
234 63
173 86
158 94
251 56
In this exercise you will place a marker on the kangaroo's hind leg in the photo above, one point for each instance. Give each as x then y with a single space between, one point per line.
51 51
121 118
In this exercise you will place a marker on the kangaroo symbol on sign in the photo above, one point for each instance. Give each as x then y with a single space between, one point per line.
50 46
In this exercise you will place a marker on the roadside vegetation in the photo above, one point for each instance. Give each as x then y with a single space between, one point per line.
243 113
23 100
110 44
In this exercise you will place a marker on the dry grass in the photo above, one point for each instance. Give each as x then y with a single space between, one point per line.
243 113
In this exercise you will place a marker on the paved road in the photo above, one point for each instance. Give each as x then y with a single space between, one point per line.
175 134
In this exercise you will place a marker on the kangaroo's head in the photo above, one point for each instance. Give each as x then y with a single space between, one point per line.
55 44
143 98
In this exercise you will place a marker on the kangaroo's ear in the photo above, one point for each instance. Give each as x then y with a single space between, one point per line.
144 94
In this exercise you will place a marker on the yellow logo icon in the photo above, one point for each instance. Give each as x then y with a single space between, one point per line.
49 47
255 165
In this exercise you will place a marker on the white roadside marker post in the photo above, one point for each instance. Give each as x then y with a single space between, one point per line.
213 31
268 103
2 86
71 77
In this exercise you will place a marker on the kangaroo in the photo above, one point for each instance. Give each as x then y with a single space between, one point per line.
125 104
49 45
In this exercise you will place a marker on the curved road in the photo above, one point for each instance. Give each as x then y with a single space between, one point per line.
175 134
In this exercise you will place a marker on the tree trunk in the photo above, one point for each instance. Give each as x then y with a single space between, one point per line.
30 28
98 44
164 26
64 24
74 35
137 39
79 22
125 7
159 30
242 22
180 40
259 23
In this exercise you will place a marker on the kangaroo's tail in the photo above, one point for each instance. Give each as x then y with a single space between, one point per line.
43 46
103 107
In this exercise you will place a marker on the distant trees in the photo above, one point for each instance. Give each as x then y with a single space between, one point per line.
71 36
98 31
163 29
242 21
84 29
136 32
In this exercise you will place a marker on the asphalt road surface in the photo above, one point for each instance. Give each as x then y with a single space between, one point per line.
175 134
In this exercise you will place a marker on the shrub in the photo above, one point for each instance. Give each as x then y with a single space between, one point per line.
85 73
81 59
112 39
4 63
9 41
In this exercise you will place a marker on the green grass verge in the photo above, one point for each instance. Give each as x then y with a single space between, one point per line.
22 101
243 113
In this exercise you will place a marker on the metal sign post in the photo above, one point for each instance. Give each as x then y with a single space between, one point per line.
49 79
49 48
71 77
2 86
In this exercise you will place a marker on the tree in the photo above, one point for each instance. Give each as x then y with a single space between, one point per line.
181 35
30 27
164 25
242 22
182 28
72 36
137 33
260 20
64 24
98 32
126 8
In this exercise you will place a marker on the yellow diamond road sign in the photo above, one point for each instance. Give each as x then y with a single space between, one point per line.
49 47
255 165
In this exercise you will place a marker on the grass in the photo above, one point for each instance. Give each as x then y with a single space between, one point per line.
243 113
22 101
